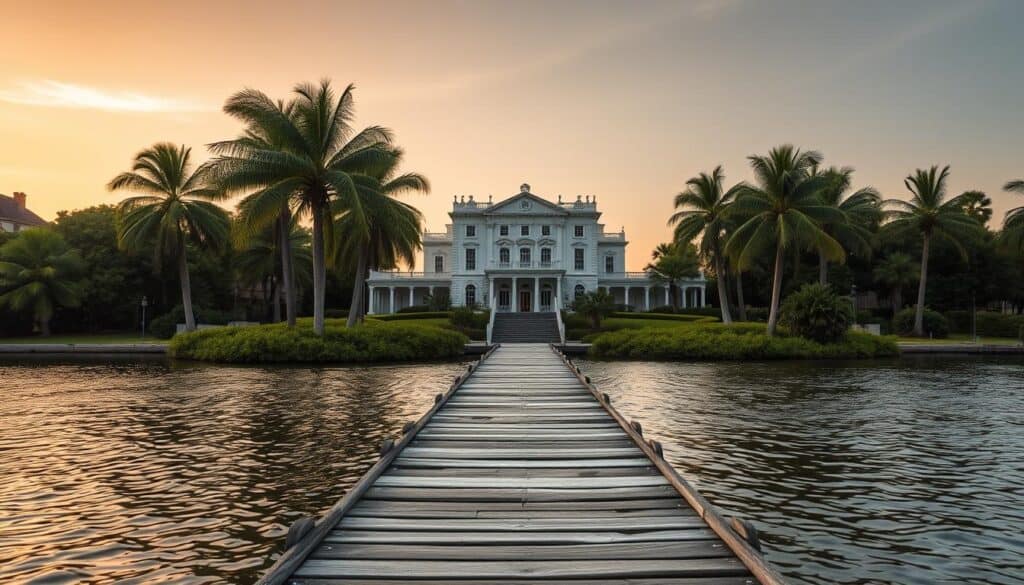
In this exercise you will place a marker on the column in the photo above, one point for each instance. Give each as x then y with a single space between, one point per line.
412 301
647 298
700 291
683 290
536 294
628 306
515 295
391 301
370 303
668 295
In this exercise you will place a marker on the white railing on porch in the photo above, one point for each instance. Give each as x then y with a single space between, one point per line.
490 322
558 319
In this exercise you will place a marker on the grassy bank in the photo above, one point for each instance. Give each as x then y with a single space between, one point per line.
373 342
744 341
83 338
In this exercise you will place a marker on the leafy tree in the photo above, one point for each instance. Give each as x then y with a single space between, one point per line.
304 155
39 272
930 214
594 306
174 211
1013 223
784 212
394 229
703 208
977 205
861 211
672 263
895 272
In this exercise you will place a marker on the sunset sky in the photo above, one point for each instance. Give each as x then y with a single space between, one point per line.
620 100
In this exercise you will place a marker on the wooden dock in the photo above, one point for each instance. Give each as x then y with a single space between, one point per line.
522 473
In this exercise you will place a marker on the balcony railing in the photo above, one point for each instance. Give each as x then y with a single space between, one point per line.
525 264
406 275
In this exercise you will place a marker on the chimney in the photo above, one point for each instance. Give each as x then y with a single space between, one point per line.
19 198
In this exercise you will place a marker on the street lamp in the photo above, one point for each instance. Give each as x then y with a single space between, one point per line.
144 303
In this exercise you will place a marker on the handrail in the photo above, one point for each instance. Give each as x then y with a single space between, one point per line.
558 318
490 322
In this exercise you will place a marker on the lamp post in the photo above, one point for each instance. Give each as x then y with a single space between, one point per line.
144 303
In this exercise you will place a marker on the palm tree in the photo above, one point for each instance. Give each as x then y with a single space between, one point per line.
977 205
1013 223
895 272
38 272
784 211
395 229
259 259
861 211
595 306
672 263
306 155
931 214
702 212
174 211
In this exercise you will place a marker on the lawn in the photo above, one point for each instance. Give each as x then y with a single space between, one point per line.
99 338
959 339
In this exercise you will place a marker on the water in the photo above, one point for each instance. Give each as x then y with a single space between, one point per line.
907 471
903 471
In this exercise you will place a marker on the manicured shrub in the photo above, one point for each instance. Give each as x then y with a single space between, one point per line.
816 312
935 325
415 309
165 326
757 314
989 323
594 306
661 316
413 316
371 342
744 341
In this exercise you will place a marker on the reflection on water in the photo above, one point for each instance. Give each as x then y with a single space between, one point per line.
908 471
135 472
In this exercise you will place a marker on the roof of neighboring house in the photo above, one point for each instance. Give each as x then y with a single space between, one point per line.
11 211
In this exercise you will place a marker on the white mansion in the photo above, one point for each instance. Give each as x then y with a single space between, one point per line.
524 254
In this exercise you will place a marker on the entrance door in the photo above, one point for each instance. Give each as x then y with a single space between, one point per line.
524 301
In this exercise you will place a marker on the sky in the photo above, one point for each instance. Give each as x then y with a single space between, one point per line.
620 100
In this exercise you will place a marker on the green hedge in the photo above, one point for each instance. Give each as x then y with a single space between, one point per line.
166 325
372 342
990 324
664 316
732 342
413 316
935 325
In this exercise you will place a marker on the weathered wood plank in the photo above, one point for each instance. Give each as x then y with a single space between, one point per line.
696 549
629 581
648 523
521 482
399 506
449 493
521 463
419 569
497 538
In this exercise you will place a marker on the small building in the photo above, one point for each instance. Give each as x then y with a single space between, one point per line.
524 254
15 216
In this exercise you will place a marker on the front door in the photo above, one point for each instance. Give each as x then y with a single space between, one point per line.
524 301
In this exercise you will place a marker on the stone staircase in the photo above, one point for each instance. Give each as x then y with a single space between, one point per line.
525 328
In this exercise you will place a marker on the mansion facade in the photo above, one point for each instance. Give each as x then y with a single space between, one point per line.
524 254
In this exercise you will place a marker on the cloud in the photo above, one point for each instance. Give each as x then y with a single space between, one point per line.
58 94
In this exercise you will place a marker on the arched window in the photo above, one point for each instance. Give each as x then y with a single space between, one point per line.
504 256
524 256
470 295
579 290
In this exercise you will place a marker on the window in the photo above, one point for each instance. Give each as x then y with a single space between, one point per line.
579 291
504 257
503 230
470 258
578 231
438 263
470 231
545 256
470 295
545 230
609 263
524 256
579 263
524 230
504 297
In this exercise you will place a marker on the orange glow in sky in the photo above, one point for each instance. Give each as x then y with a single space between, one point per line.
619 100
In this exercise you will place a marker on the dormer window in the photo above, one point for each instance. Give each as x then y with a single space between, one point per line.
524 230
470 231
503 230
577 231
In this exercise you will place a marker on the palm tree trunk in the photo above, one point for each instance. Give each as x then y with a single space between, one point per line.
921 285
44 322
739 296
186 291
287 270
319 270
276 299
773 313
723 293
822 269
358 283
